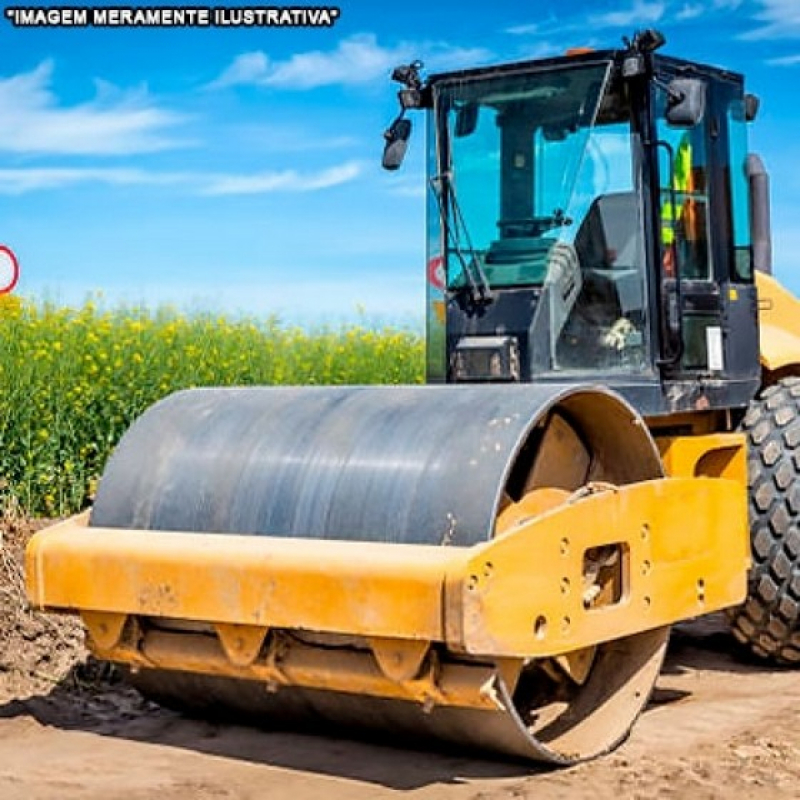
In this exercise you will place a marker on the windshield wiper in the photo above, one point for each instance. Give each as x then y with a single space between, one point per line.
476 282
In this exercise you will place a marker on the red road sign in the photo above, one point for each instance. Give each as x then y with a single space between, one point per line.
436 275
9 269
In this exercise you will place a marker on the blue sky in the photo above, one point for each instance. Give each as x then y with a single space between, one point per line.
237 170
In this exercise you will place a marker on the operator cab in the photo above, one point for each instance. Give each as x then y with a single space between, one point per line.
588 219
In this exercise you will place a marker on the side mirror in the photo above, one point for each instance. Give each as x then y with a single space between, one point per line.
687 102
751 106
413 96
396 137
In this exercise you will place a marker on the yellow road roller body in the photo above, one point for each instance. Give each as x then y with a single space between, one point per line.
525 577
495 559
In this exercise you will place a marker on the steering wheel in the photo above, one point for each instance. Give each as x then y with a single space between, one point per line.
531 226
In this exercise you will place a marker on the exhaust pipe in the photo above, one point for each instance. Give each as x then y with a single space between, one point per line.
760 228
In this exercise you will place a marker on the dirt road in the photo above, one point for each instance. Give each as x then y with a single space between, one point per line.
718 727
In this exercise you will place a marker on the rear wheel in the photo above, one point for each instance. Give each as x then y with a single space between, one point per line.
769 620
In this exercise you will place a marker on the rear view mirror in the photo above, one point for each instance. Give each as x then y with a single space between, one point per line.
466 119
396 137
555 133
687 102
751 105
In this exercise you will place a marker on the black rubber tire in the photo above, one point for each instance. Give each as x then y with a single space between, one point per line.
769 620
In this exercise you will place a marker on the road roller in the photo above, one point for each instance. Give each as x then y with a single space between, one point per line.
608 443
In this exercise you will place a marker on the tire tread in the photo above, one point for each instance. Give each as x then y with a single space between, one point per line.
769 620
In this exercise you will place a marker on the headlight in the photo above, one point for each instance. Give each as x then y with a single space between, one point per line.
486 358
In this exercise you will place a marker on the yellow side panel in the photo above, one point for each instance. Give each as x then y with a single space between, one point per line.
363 588
713 455
779 324
676 548
608 562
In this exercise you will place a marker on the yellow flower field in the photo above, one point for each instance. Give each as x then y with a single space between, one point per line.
73 379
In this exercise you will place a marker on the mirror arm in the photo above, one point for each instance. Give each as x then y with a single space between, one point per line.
674 95
390 133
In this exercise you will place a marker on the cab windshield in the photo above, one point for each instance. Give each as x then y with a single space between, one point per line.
513 177
534 186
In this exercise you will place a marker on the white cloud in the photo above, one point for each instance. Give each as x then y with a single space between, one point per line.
286 181
446 57
246 68
640 13
356 60
20 181
784 61
548 49
528 29
114 123
576 30
631 17
694 10
780 18
689 11
279 137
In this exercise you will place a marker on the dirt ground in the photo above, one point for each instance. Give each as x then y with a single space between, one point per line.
718 727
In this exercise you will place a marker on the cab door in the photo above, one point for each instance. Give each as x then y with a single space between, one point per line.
704 234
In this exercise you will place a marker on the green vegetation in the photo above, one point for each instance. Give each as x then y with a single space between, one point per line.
73 380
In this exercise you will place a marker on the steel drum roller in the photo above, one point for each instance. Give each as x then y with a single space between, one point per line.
437 465
398 464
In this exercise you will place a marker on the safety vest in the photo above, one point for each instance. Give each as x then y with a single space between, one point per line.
682 185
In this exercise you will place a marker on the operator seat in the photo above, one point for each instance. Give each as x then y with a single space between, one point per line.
610 246
607 322
607 237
